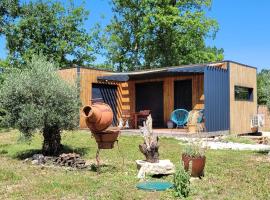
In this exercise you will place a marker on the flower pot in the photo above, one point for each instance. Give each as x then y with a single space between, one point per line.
194 164
107 138
254 129
192 128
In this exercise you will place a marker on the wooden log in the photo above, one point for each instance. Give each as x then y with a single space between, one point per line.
150 146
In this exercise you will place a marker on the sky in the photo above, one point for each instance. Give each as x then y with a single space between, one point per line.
244 32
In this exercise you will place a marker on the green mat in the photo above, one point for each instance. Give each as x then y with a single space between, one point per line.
154 186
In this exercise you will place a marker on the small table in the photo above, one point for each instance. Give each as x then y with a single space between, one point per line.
139 115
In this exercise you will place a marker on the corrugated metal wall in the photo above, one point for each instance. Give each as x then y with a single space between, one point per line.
217 105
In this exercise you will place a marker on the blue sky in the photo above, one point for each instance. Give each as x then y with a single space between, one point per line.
244 28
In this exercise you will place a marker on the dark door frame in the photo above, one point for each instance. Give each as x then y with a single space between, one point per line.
158 113
189 94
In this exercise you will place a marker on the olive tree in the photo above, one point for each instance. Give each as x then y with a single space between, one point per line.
37 99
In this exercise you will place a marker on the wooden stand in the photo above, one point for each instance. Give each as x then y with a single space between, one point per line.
98 157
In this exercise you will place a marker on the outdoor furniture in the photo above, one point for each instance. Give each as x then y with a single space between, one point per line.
196 121
141 115
179 117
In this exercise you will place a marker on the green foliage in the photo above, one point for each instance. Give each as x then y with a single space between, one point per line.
8 11
151 33
37 98
194 150
263 90
181 182
48 27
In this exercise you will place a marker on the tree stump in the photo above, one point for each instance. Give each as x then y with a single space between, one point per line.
150 146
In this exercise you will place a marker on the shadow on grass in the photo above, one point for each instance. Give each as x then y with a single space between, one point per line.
263 152
103 168
65 149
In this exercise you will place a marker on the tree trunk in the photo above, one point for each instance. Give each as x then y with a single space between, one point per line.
52 141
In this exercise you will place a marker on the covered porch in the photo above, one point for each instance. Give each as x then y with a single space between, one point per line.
161 91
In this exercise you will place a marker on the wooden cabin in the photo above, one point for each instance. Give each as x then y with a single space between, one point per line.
226 91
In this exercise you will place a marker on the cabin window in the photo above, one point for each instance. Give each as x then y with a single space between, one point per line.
243 93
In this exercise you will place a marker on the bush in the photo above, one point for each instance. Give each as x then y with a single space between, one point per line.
38 99
181 182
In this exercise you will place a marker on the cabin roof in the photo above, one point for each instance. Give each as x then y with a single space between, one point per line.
167 71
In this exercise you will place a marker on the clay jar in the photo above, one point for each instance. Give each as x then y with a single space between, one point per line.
98 117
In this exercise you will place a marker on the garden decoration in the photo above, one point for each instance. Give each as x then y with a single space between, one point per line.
149 148
98 118
194 159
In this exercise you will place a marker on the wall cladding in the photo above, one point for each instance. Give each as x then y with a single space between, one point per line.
216 92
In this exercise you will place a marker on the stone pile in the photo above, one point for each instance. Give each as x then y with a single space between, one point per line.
65 160
70 160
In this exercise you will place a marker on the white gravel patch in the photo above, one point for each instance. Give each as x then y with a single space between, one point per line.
236 146
211 143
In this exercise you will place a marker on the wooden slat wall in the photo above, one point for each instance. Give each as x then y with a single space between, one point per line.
86 78
69 75
241 111
168 94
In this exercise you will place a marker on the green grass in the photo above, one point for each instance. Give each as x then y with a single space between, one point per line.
238 139
228 174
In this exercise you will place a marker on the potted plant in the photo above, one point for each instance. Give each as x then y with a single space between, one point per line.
193 158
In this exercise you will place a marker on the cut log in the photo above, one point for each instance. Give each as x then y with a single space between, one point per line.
150 146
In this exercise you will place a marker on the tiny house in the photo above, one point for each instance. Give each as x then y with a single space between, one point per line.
227 92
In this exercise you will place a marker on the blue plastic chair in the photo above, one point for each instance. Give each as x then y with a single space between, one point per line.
179 117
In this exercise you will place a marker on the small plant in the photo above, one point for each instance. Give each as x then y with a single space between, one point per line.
181 182
194 150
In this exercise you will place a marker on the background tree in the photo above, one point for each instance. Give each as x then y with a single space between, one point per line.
8 11
263 87
155 33
38 99
48 27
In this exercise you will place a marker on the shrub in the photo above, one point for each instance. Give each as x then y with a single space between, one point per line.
181 182
38 99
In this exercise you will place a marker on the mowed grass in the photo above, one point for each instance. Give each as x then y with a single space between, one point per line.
228 174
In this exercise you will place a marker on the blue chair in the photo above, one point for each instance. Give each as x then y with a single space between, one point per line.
179 117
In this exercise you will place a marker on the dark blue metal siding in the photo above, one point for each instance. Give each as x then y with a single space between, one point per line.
217 101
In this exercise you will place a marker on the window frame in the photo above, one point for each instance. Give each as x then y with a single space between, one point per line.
249 90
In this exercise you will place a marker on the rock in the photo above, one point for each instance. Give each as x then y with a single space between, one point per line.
35 162
39 158
163 167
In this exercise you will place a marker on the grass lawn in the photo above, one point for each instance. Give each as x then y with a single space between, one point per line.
228 174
